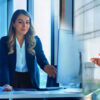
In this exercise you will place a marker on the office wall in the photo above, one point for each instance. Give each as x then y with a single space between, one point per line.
87 27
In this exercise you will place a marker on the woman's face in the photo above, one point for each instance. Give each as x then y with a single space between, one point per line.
22 25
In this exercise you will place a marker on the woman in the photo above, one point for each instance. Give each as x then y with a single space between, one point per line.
20 52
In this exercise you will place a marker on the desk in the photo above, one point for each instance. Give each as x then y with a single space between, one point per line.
62 93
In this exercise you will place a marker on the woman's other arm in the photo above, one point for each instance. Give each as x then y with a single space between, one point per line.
4 69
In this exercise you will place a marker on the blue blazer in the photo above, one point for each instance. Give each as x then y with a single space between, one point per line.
8 62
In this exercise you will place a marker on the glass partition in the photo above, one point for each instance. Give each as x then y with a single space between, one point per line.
86 27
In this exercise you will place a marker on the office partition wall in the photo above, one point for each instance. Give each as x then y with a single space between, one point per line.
86 26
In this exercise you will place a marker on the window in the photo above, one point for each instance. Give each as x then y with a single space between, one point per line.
3 18
42 24
20 4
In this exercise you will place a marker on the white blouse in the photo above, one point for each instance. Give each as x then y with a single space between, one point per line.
20 57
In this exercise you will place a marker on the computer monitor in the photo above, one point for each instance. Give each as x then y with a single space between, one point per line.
68 71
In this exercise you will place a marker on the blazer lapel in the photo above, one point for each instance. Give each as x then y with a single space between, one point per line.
14 55
26 52
12 58
29 58
27 55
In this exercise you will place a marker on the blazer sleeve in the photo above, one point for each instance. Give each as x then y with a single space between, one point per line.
4 69
41 58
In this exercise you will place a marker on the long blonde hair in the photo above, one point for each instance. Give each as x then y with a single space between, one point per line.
29 37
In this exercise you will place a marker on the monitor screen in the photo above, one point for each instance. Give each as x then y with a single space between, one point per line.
68 59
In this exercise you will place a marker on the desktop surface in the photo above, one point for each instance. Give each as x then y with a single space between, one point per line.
60 93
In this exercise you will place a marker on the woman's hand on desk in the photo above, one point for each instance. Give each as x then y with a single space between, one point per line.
7 87
50 70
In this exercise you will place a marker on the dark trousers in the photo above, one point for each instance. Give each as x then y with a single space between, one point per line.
22 81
